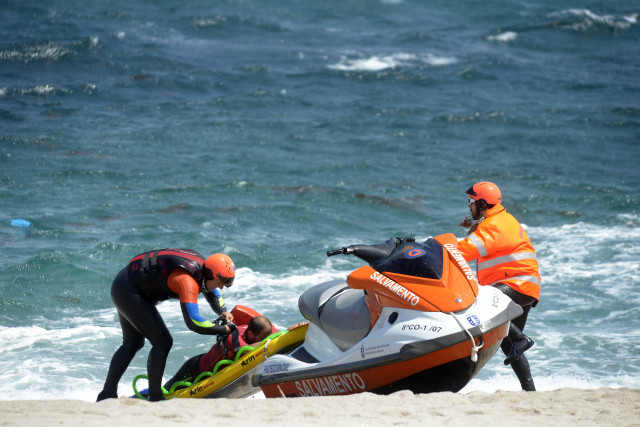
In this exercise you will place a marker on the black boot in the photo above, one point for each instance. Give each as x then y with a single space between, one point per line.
107 394
521 368
519 344
155 397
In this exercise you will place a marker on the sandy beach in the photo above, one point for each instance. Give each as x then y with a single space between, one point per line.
604 406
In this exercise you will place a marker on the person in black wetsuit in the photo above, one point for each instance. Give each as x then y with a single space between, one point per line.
152 277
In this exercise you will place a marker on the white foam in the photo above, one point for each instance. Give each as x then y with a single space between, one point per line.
50 51
507 381
209 22
581 260
591 19
379 63
507 36
284 290
437 61
39 90
632 19
373 63
35 337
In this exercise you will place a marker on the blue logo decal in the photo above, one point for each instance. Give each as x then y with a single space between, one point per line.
362 351
414 253
473 320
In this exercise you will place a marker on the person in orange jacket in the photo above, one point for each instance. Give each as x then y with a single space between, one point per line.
156 276
506 260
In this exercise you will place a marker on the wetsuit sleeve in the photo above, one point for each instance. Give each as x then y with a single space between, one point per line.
187 289
215 301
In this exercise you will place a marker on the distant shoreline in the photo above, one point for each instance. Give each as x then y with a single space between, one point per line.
562 407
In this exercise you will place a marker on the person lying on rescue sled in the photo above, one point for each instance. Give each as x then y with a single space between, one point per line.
226 348
152 277
505 260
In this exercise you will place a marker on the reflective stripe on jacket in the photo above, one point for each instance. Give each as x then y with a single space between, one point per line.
503 252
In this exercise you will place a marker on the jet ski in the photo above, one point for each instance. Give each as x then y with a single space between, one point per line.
232 378
414 319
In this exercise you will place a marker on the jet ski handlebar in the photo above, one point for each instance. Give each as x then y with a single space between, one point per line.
346 250
370 253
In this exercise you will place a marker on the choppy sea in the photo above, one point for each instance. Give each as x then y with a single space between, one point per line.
276 130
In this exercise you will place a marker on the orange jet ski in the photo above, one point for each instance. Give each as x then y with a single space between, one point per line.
414 319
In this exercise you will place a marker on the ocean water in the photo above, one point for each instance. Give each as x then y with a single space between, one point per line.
274 131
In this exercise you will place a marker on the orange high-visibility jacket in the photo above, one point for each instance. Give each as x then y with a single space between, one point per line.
503 252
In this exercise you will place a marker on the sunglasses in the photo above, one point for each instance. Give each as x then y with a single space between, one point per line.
226 281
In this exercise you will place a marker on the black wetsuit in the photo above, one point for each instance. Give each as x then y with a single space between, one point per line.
520 365
135 292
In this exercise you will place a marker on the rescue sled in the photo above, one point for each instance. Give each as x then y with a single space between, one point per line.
232 378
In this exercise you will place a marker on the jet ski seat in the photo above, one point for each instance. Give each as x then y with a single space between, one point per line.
338 310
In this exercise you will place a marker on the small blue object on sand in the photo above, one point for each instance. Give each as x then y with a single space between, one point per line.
23 223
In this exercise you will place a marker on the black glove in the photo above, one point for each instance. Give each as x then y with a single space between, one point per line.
232 327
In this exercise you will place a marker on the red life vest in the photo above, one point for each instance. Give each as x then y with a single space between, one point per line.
222 350
149 271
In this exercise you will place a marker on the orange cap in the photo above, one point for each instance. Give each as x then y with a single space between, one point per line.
487 191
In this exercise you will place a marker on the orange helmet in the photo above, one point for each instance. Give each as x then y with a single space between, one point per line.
220 266
485 191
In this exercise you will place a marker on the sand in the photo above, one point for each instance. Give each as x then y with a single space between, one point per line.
562 407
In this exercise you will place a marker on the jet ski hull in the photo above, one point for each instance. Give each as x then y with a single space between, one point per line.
405 350
448 369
